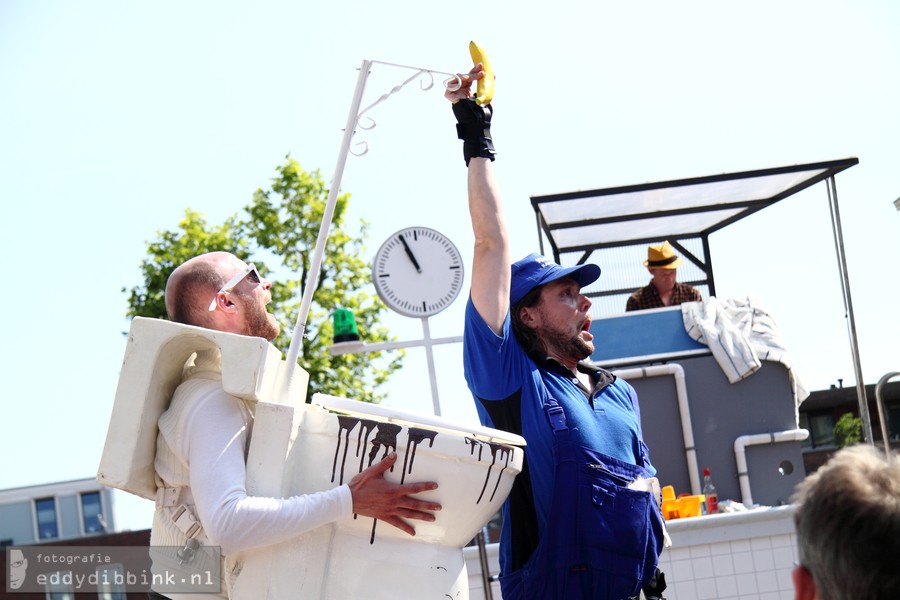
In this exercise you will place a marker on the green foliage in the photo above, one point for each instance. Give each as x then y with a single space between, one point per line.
278 233
848 430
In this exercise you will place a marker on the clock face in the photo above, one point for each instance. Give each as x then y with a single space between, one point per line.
418 272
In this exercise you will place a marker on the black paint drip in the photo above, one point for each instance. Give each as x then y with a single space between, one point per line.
385 440
506 454
386 437
347 424
415 437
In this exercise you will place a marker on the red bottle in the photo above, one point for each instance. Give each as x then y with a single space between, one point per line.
709 490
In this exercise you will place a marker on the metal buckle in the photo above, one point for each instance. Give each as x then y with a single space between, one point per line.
186 554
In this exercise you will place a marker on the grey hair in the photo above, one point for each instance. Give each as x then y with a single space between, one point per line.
848 525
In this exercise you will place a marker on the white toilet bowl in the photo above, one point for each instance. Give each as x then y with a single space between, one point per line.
360 557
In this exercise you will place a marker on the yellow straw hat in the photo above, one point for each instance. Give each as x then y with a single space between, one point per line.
662 257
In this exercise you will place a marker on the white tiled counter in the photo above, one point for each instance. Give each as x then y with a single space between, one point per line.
732 556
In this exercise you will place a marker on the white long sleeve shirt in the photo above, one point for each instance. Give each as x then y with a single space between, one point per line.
202 445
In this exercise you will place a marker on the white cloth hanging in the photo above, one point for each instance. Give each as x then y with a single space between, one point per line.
740 334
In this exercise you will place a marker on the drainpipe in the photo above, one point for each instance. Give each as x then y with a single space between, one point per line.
684 410
791 435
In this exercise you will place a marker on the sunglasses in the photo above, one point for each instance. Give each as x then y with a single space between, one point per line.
250 272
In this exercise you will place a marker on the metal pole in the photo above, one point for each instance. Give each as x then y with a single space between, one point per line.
485 568
848 307
537 219
429 354
358 347
315 268
883 416
709 270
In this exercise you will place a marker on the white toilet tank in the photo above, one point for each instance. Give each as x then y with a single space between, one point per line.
360 557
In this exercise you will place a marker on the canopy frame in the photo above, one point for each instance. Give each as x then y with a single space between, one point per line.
686 212
677 210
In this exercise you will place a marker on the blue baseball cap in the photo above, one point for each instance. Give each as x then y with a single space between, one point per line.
535 270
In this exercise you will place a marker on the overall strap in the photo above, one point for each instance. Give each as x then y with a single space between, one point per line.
555 415
565 445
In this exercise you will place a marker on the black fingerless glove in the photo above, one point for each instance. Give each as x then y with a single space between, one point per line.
474 129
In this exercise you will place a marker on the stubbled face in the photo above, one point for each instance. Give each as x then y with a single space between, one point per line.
663 279
259 321
253 297
562 320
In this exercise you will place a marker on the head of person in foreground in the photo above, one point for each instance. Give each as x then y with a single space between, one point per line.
848 528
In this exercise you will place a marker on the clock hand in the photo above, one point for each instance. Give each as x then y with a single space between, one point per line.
409 253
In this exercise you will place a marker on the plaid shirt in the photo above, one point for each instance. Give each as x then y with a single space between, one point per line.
648 297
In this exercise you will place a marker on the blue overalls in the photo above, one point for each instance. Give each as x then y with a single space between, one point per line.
622 553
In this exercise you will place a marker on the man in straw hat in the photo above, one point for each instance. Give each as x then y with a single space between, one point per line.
568 532
663 289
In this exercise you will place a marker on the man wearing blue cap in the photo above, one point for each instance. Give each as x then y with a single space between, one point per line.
581 520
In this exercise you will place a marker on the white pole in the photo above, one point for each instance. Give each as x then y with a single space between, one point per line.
315 267
357 347
426 335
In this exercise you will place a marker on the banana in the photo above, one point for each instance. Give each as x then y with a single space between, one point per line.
485 91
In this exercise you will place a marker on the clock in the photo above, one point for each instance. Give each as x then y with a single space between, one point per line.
417 272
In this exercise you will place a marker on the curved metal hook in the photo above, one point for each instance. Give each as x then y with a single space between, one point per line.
366 123
370 123
425 86
364 148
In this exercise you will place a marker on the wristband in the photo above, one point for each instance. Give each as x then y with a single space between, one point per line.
473 126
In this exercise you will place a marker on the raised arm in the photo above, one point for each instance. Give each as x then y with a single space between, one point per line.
490 265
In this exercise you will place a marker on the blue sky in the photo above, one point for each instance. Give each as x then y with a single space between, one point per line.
116 116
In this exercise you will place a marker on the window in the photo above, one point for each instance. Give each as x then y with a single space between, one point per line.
91 513
59 586
821 429
893 417
111 582
48 527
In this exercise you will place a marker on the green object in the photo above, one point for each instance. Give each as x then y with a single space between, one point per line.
848 430
345 326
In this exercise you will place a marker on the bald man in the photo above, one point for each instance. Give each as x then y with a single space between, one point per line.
204 438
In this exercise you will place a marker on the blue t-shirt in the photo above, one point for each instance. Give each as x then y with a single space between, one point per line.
510 390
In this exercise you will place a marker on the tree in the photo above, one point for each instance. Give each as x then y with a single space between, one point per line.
281 226
848 430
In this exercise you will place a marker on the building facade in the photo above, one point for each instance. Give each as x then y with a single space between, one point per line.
54 512
822 410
